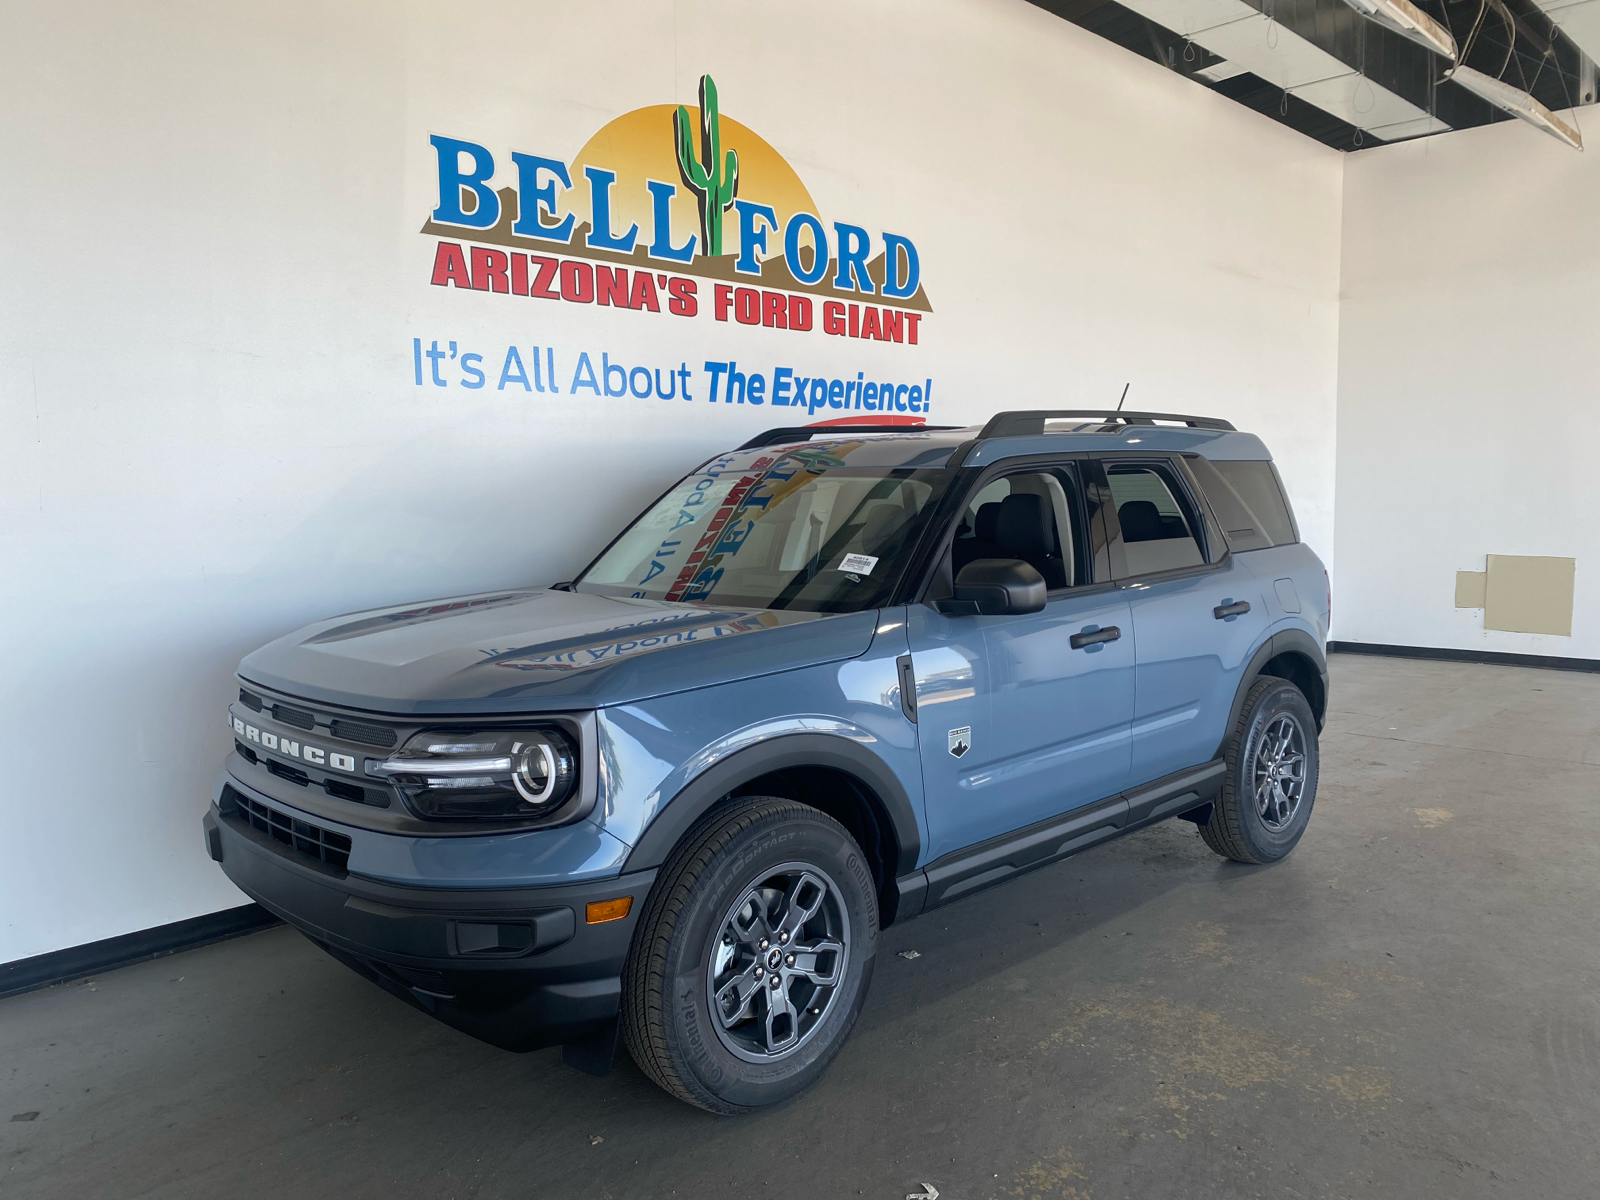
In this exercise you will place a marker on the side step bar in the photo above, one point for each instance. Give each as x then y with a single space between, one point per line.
973 868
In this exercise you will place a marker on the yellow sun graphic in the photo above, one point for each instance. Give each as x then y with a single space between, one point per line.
639 146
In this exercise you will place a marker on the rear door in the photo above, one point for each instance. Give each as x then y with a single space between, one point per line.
1197 613
1024 717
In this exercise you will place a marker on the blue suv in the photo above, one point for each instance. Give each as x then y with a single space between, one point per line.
830 680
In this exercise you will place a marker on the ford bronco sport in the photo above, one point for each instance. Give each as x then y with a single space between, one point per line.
830 680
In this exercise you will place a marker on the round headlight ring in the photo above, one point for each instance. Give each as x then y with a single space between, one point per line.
542 769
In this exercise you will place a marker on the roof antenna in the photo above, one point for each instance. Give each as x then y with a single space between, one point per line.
1125 388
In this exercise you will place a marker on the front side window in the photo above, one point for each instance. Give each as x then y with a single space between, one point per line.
1158 526
1037 516
800 531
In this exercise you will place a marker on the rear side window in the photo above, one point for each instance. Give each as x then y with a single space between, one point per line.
1248 501
1158 533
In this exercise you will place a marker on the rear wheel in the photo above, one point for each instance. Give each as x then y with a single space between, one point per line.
1271 780
752 956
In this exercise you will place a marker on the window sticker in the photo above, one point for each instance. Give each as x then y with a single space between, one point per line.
857 564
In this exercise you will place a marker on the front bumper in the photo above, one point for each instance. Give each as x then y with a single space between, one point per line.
516 967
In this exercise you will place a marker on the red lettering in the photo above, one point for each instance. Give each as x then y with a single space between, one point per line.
577 282
775 310
519 274
869 324
800 312
747 306
855 320
643 294
723 298
911 327
891 324
682 302
450 266
540 288
489 268
832 317
611 286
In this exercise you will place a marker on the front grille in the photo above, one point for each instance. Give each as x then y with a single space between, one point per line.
360 795
292 774
361 731
302 837
375 797
297 717
250 700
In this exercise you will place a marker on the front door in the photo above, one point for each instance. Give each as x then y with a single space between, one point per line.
1024 717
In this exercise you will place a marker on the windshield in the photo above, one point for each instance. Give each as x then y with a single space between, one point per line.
798 531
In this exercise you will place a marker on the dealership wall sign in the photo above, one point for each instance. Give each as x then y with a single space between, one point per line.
683 213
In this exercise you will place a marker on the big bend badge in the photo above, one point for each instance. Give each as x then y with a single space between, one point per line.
961 740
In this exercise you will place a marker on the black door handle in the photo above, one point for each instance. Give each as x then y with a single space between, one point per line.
1236 609
1109 634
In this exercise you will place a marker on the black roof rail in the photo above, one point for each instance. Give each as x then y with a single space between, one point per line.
804 433
1031 423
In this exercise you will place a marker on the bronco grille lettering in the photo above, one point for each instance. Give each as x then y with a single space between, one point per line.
293 749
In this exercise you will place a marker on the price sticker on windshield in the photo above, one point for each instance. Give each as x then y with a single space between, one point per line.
857 564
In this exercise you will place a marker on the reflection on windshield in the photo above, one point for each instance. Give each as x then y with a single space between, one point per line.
800 530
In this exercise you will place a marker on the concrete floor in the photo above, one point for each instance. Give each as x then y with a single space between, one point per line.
1407 1006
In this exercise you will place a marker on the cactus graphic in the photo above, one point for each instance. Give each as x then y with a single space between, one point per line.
713 179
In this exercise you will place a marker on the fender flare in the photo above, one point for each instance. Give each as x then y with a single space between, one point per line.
1285 641
702 792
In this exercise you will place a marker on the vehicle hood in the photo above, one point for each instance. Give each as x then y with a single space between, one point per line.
542 651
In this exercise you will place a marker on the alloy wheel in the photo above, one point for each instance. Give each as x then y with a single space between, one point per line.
1278 772
780 954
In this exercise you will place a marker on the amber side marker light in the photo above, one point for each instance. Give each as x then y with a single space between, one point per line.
598 911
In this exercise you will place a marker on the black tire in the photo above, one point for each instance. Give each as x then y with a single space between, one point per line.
1255 829
674 974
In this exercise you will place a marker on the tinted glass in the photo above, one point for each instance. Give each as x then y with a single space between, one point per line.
1037 516
1157 529
795 532
1248 502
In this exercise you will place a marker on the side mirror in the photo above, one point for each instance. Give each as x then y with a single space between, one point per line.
995 587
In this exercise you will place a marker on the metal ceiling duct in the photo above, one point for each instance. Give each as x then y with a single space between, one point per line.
1516 102
1409 21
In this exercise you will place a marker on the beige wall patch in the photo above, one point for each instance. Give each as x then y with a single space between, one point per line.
1469 588
1528 594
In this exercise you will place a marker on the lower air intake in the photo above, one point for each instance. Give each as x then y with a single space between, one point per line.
297 836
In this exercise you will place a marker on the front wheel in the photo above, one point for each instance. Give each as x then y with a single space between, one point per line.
1271 780
752 956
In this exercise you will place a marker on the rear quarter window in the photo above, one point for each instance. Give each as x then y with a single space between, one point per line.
1248 500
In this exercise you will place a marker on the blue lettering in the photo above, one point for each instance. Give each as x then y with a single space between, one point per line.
521 376
661 227
853 246
536 202
751 237
893 285
716 369
606 367
454 184
819 247
600 236
583 375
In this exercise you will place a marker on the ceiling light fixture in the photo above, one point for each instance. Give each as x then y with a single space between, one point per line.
1516 102
1408 21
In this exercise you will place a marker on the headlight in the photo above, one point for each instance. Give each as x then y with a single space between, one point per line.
489 774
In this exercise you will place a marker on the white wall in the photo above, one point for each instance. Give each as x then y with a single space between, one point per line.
211 273
1467 395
